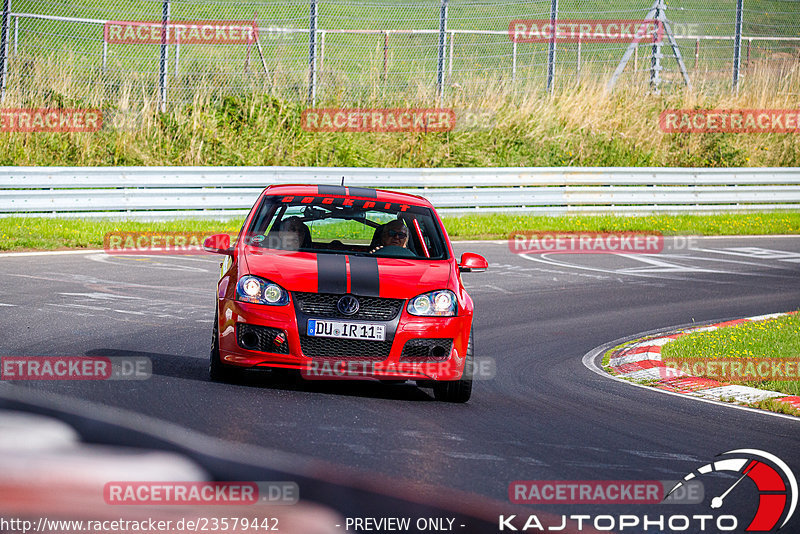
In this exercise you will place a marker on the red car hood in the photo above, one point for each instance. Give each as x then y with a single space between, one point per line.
361 275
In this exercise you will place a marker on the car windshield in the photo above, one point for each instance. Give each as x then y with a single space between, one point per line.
336 225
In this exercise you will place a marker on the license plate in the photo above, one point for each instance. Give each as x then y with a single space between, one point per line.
345 330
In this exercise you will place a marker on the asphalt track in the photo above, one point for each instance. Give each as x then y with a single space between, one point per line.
544 416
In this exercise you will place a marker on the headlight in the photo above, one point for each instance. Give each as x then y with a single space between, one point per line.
436 303
260 291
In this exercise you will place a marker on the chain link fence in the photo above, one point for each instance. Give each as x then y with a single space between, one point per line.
392 51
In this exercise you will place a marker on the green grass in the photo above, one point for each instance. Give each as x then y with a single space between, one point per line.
777 338
49 234
780 407
22 233
500 225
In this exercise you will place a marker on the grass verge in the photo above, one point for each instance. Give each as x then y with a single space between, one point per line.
774 339
39 233
18 233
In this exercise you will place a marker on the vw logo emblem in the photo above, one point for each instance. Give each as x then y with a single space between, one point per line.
348 305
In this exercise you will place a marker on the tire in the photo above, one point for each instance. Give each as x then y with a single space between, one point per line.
217 371
457 390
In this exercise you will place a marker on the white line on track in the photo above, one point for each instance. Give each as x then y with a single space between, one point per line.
82 306
57 277
771 265
47 253
660 265
102 296
654 271
148 262
496 288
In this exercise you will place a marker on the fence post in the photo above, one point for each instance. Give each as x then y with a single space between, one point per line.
747 62
312 55
450 60
513 60
16 35
655 60
321 68
4 31
385 54
177 52
737 45
551 52
162 71
442 40
105 53
250 44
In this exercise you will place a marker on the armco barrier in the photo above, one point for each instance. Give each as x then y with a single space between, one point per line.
226 192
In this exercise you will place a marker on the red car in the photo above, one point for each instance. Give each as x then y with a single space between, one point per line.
345 282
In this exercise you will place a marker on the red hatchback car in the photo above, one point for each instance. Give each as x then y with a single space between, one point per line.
345 282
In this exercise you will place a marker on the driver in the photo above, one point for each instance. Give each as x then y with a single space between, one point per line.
292 233
393 234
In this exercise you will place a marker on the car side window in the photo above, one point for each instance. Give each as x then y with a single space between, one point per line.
431 244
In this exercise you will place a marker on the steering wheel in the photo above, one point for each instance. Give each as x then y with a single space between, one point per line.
394 250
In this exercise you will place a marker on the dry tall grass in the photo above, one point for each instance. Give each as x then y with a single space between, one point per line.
579 123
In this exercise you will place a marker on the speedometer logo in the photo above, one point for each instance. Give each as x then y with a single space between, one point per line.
775 482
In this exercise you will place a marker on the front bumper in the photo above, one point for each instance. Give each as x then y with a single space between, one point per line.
363 362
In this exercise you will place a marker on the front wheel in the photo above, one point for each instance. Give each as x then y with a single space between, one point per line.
457 390
217 371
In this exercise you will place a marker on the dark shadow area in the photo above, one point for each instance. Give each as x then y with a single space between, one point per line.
174 366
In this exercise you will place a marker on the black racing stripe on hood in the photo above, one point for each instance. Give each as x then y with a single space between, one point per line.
362 192
364 278
337 190
331 273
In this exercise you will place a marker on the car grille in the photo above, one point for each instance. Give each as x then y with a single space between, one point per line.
423 349
260 338
370 308
329 347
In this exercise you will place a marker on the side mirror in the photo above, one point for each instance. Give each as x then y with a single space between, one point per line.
472 263
218 244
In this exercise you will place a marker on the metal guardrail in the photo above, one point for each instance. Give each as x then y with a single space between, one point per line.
228 192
